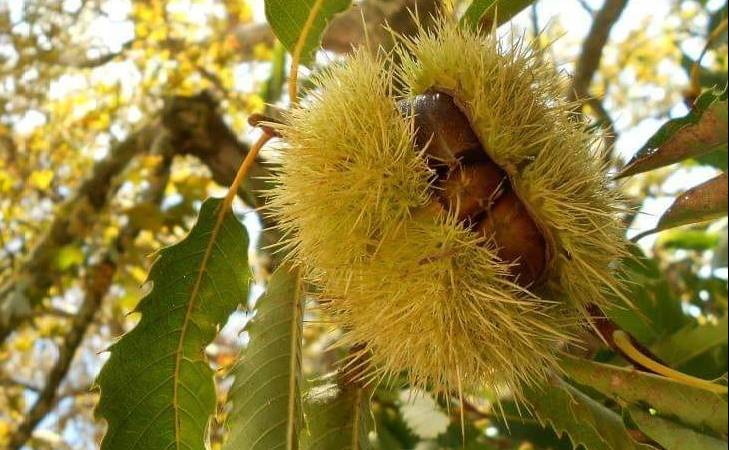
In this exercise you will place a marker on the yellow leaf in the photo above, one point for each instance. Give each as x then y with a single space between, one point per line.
138 273
69 256
6 182
41 179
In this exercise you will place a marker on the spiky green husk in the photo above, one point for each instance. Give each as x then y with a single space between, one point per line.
416 291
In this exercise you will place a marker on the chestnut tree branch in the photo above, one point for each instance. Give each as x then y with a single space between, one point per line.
588 64
591 53
29 285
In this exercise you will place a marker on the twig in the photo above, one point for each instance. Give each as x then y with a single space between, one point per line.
591 53
296 54
589 62
587 7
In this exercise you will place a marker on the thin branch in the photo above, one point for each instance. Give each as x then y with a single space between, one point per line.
588 64
97 284
588 9
591 53
29 285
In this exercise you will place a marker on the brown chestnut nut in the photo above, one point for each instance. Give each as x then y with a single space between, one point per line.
518 239
441 128
471 189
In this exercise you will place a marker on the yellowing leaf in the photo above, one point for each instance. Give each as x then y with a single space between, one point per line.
69 256
41 179
707 201
702 131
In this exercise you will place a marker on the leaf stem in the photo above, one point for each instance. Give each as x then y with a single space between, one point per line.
622 341
296 54
245 166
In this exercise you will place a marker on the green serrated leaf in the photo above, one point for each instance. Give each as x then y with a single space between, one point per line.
692 341
584 420
672 436
693 406
700 132
157 388
287 19
392 433
266 395
707 201
337 418
468 438
481 13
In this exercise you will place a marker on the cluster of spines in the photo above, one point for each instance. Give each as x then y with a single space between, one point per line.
513 100
414 289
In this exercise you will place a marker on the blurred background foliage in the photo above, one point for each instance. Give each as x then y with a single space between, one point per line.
80 79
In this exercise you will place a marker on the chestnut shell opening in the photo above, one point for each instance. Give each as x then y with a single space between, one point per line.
470 185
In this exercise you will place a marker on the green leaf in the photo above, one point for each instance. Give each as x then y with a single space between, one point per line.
337 418
717 159
272 90
265 395
707 201
693 406
287 19
392 433
482 13
699 240
672 436
700 132
721 254
468 438
584 420
692 341
157 388
656 311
